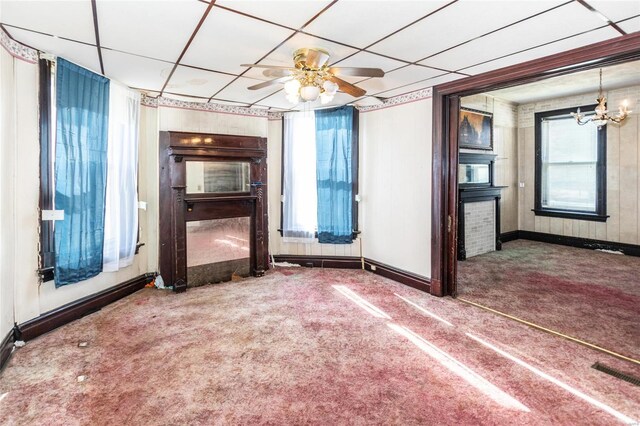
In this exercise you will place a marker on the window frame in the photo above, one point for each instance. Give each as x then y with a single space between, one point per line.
600 213
355 162
46 201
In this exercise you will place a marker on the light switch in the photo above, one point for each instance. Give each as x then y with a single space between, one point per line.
521 184
142 205
52 214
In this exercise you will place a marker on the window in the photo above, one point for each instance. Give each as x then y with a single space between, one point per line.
320 176
88 125
570 167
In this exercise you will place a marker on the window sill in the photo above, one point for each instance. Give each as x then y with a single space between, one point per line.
566 214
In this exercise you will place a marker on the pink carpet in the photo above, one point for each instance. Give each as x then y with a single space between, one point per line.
307 346
587 294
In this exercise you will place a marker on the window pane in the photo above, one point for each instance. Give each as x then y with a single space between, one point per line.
217 177
565 141
569 187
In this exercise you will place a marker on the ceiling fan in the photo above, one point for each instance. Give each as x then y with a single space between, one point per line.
311 77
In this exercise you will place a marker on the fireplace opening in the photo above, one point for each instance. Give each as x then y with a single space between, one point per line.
218 250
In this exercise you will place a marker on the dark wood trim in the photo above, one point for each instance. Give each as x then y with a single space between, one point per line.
81 307
6 348
445 143
563 240
94 9
600 214
398 275
567 214
505 237
344 262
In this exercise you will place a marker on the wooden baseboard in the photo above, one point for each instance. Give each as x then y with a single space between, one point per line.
586 243
505 237
395 274
353 262
81 307
344 262
6 348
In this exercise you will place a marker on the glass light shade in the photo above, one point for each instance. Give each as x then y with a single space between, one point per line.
330 87
309 93
291 87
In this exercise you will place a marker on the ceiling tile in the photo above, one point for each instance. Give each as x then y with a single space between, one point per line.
52 17
616 10
238 91
277 100
379 18
431 82
455 24
293 14
190 81
370 60
630 25
549 49
168 26
81 54
135 71
574 17
227 40
392 80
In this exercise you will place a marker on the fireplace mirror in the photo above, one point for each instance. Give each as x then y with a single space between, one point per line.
215 177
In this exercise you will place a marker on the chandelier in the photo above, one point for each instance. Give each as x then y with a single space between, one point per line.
601 116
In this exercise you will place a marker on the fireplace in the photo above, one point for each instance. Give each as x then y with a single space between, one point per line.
213 218
478 206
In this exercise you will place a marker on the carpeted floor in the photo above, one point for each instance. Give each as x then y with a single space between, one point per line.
307 346
587 294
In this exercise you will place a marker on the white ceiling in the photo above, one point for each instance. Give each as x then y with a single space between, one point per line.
613 77
418 43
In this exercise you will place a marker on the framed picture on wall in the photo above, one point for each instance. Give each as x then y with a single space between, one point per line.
476 129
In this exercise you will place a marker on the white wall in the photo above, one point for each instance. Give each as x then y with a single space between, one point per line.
395 185
623 172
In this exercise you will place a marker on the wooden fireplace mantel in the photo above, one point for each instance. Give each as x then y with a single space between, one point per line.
177 207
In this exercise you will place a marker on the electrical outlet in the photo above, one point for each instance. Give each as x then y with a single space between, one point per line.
521 184
373 267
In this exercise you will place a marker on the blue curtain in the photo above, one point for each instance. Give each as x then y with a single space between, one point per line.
334 137
82 108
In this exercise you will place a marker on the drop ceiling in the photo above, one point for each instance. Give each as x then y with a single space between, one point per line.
192 49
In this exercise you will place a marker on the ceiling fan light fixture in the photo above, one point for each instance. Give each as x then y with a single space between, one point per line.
291 87
325 98
309 93
330 87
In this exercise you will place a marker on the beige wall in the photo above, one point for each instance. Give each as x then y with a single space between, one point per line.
395 185
623 177
505 130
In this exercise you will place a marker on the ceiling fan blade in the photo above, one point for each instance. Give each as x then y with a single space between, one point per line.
278 72
347 87
358 72
270 83
316 58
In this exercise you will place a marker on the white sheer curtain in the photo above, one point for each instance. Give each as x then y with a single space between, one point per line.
300 213
121 215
